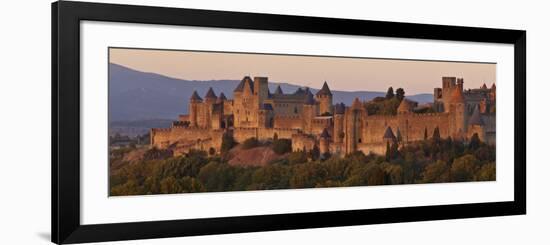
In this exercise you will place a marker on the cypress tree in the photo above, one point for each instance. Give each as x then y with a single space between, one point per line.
388 151
390 94
425 133
475 142
436 136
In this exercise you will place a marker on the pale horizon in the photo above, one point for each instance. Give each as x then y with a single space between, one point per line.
341 73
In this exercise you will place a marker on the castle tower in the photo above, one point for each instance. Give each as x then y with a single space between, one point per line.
324 141
210 96
309 112
242 96
261 90
339 110
460 84
265 116
210 99
457 114
476 125
483 106
324 96
221 98
354 126
194 103
449 85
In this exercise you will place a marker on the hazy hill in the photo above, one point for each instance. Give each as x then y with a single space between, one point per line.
137 96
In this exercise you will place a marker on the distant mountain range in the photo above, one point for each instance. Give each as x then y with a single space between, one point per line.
142 96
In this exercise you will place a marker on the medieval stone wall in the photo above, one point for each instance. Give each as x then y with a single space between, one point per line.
228 107
301 142
376 148
241 134
182 136
298 117
281 121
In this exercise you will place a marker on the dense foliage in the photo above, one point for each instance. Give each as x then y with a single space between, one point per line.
428 161
386 105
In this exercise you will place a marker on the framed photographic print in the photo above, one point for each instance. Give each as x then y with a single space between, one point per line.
176 122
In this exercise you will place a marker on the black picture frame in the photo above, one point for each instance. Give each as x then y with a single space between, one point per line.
66 18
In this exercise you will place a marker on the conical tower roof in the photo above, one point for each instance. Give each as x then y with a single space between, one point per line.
388 135
195 96
493 87
309 98
210 94
222 97
475 119
278 90
405 106
325 134
325 90
484 86
457 96
247 81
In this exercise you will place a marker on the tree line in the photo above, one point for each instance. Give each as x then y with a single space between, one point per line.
432 160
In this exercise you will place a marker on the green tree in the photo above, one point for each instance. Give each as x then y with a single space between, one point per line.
464 168
314 153
297 157
400 94
250 143
282 146
394 149
436 136
475 142
425 133
270 177
307 175
390 94
216 176
394 173
228 142
388 151
436 172
487 172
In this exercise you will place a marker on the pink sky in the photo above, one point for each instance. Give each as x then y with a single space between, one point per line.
346 74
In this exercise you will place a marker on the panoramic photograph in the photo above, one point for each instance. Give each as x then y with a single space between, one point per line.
203 121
